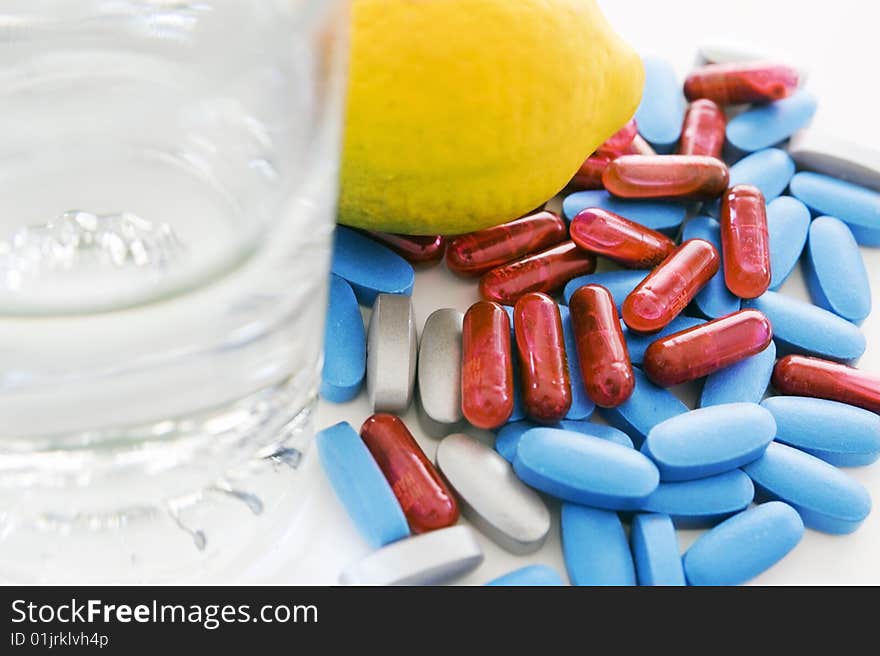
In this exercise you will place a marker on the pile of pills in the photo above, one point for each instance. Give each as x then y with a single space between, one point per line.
699 238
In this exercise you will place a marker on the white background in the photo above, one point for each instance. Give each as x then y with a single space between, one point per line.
838 42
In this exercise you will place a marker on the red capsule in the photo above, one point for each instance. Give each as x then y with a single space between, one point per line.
745 241
803 376
618 143
416 249
668 289
626 242
686 177
424 497
704 349
546 387
476 253
589 175
546 271
487 368
640 147
604 358
703 131
743 82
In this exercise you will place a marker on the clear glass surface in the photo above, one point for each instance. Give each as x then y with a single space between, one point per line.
168 177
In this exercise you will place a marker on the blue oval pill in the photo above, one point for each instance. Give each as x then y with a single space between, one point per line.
647 407
801 327
619 283
764 126
657 215
827 499
714 300
584 469
835 271
369 267
519 406
531 575
788 222
704 501
769 170
582 406
509 436
595 548
856 206
709 441
345 345
740 548
839 434
637 344
743 382
655 550
360 485
661 112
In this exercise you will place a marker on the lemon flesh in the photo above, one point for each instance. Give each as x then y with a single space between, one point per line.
465 114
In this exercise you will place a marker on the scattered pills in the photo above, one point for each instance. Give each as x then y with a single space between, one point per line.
715 299
800 327
739 83
626 242
669 177
840 434
413 248
788 223
745 241
531 575
345 345
858 207
439 373
747 544
360 485
702 502
709 441
668 289
619 283
835 271
803 376
428 559
827 499
392 349
743 382
767 125
476 253
770 170
660 113
369 267
584 469
426 501
703 130
509 436
663 216
822 153
494 499
487 366
547 272
647 407
637 343
595 547
655 550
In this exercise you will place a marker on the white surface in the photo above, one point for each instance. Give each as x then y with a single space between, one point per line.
837 43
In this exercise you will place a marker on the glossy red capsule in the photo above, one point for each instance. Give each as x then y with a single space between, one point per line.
476 253
486 366
546 271
413 248
745 241
639 147
704 349
703 130
425 499
604 358
589 175
686 177
742 82
618 143
626 242
540 344
668 289
800 375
